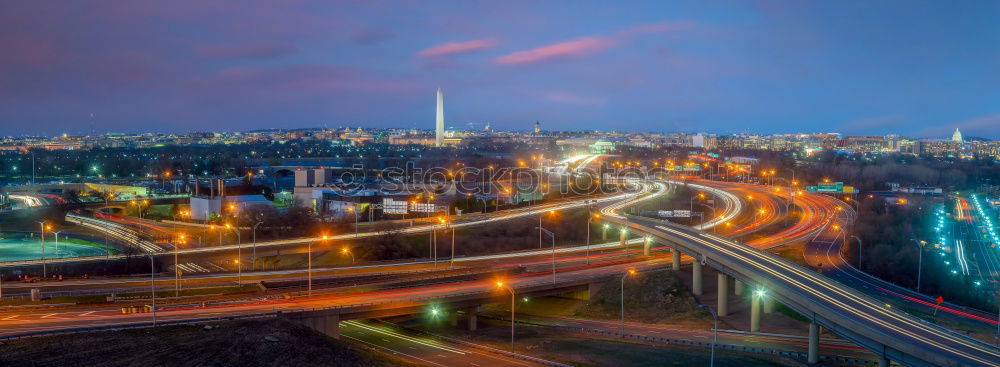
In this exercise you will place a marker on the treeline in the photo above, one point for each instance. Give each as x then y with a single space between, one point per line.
235 159
891 236
872 173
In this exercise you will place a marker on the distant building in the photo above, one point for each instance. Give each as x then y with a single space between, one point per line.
957 136
538 127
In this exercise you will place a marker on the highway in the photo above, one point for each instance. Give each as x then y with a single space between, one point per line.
422 350
790 343
843 310
825 248
847 312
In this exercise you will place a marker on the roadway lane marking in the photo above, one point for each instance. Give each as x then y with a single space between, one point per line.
394 351
10 317
51 314
87 313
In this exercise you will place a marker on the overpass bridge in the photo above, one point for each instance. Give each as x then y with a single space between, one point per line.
890 333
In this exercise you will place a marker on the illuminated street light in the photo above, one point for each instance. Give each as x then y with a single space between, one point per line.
501 285
630 272
347 251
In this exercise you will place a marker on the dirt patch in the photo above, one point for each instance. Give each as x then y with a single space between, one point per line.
654 298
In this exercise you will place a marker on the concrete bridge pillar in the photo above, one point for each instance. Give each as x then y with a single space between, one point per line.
331 326
883 362
328 324
723 292
755 313
471 313
768 305
813 343
676 259
645 247
622 237
737 287
453 318
696 278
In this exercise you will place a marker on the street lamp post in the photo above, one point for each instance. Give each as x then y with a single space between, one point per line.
511 290
629 272
715 333
347 251
589 219
920 260
239 255
43 227
152 285
354 210
861 252
254 234
553 236
177 275
310 264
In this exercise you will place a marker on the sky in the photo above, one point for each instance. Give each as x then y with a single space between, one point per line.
915 68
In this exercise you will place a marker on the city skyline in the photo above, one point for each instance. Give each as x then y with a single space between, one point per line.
757 68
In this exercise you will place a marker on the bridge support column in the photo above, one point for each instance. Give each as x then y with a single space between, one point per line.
883 362
737 287
813 343
723 291
768 305
471 313
755 314
622 237
676 259
645 247
331 326
453 318
696 278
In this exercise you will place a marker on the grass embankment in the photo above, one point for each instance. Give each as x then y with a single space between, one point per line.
654 297
257 342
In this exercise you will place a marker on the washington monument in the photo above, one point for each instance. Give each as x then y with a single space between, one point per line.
439 127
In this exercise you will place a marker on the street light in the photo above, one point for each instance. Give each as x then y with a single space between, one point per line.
177 274
920 259
589 219
553 236
715 333
347 251
501 285
44 227
351 210
310 263
447 226
861 248
626 275
254 233
239 254
552 213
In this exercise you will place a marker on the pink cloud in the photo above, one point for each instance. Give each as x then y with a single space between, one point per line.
584 45
456 48
575 48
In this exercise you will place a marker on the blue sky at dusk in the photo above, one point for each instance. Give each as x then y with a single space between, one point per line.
917 68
